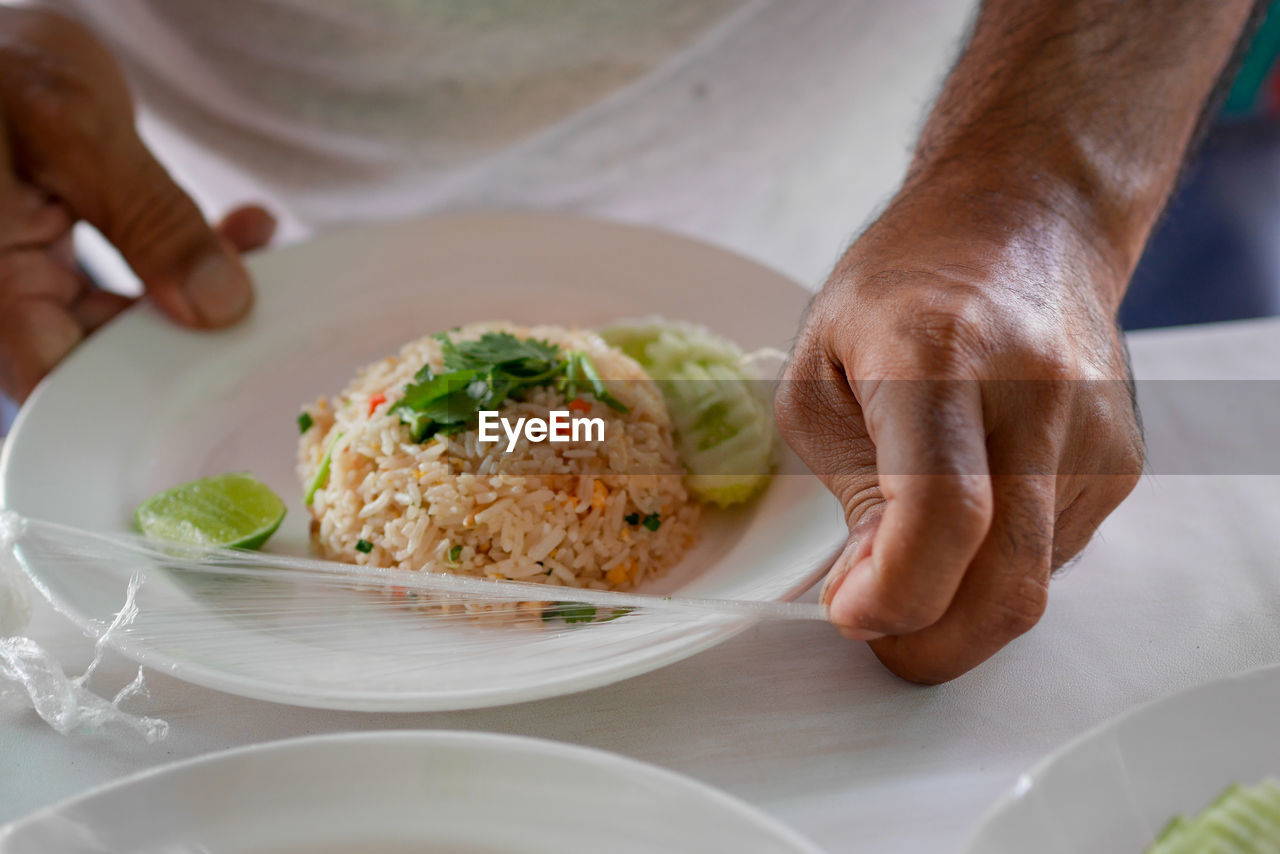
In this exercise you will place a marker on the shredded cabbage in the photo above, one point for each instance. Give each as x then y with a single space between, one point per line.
724 428
1243 820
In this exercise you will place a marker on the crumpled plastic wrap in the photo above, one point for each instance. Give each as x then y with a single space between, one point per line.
15 597
28 673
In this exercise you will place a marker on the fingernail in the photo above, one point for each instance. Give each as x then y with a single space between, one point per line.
858 634
217 290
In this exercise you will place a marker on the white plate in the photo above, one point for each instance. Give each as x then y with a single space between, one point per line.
144 405
396 793
1112 790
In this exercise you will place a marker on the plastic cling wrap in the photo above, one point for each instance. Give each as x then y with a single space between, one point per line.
351 635
65 703
15 607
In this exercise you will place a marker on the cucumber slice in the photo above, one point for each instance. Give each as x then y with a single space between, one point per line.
1242 820
724 429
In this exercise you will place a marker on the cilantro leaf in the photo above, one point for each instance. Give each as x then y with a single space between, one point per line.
438 403
520 357
484 374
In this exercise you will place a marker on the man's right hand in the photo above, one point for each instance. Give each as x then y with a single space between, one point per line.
69 151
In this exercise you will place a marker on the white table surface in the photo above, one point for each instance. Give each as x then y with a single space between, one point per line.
1182 584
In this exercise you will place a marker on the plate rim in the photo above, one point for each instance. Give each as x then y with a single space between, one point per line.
425 740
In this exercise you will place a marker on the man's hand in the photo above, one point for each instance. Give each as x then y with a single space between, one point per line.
967 400
959 384
69 151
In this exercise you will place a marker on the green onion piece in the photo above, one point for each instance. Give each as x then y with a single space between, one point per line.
574 612
652 522
455 553
598 388
322 473
617 612
570 612
364 546
305 422
632 518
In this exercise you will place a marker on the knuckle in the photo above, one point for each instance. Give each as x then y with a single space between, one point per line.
794 391
1115 445
52 67
948 333
896 614
1126 485
1079 521
1016 612
964 504
1044 360
785 403
63 94
56 101
816 413
1128 470
859 495
1132 453
1067 548
157 216
971 499
1042 370
1112 489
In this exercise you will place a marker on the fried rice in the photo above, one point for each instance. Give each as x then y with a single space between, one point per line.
558 513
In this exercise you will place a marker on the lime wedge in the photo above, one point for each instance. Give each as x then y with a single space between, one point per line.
227 510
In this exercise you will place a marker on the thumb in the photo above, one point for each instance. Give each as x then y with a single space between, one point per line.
70 126
190 272
857 548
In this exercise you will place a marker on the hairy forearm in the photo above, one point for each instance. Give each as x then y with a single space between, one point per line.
1079 109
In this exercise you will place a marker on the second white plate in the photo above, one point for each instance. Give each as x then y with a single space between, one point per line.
1112 790
403 793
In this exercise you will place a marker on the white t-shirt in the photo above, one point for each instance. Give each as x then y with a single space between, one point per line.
427 85
760 124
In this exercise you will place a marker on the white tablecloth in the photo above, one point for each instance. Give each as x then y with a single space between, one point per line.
1181 585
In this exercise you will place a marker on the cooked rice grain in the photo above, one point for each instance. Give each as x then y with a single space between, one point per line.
546 512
